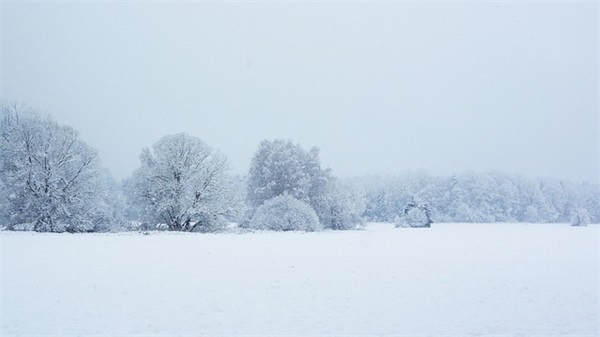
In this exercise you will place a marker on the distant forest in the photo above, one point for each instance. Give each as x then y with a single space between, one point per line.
52 181
480 197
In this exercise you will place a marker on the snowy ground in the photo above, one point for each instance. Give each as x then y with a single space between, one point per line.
452 279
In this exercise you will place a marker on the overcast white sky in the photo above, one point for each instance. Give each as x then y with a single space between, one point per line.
379 87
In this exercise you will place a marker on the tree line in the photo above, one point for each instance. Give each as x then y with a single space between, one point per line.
481 197
52 181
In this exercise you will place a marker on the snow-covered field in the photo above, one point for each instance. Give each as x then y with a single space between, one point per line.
452 279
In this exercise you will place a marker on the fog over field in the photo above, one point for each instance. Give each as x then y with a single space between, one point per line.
380 87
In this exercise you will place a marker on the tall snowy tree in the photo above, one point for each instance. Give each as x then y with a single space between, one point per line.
183 183
50 176
282 167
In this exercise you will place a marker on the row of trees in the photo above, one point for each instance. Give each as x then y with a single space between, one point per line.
480 197
50 180
183 184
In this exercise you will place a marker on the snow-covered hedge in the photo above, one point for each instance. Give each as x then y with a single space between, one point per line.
285 213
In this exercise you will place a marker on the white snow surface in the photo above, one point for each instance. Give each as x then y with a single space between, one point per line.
451 279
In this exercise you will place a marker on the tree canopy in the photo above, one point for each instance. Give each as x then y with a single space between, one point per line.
183 183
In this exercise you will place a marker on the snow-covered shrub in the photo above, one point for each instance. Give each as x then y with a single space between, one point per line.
26 226
208 223
161 227
285 213
415 215
128 226
85 227
135 225
581 217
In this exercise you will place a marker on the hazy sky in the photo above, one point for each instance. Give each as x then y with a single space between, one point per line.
379 87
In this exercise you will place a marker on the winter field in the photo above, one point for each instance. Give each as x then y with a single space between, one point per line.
452 279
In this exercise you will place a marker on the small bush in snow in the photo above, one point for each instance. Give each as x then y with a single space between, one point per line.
581 217
161 227
285 213
134 225
415 215
26 226
208 223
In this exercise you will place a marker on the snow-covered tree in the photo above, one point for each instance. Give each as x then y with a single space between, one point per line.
587 196
509 201
280 167
50 177
285 213
344 205
375 195
112 201
581 217
183 183
416 215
